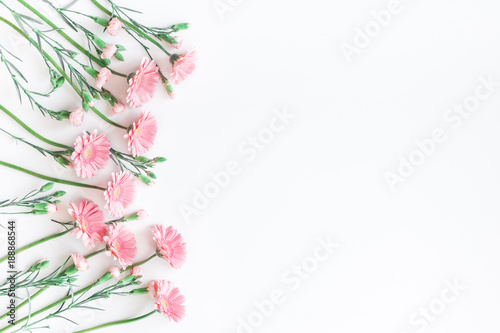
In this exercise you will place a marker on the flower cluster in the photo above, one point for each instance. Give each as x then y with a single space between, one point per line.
89 69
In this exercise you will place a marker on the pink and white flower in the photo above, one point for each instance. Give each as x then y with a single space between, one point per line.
52 208
141 136
143 84
170 244
103 77
114 26
118 108
91 153
90 226
170 302
179 41
182 66
121 244
115 272
76 117
120 193
136 271
142 214
80 262
109 51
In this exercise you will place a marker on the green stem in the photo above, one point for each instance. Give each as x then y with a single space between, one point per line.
131 26
26 301
81 291
40 241
50 179
32 132
63 73
118 322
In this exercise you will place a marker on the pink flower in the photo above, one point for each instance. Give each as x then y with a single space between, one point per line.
141 136
102 78
80 262
120 244
118 108
91 153
136 271
154 287
120 193
90 226
142 214
109 51
179 41
114 26
142 86
51 209
115 272
170 244
182 66
76 117
170 302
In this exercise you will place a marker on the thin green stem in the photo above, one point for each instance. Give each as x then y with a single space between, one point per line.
118 322
31 131
26 301
63 73
50 179
33 244
131 26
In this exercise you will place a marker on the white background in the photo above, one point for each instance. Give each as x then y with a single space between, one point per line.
323 176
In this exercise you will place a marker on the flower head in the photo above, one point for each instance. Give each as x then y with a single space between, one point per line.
103 77
154 287
76 117
121 244
109 51
170 245
141 136
114 26
136 271
118 108
142 214
143 84
179 41
90 226
115 272
170 302
91 153
182 66
52 208
80 262
120 193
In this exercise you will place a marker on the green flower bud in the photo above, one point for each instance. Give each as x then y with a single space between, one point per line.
105 278
71 270
100 21
85 106
63 114
142 159
160 159
180 26
88 98
119 56
92 72
58 194
126 279
120 47
139 291
98 41
46 187
151 175
63 161
145 179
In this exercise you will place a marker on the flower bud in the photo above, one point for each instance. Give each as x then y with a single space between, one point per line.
142 159
46 187
100 21
139 291
151 174
160 159
87 98
59 194
119 56
41 264
71 270
120 47
98 41
105 278
64 162
180 26
170 89
126 279
92 72
145 180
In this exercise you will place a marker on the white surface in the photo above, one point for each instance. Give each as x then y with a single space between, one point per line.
323 176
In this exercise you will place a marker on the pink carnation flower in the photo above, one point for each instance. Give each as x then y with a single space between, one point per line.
120 193
141 136
52 209
179 41
109 51
91 153
142 214
182 66
136 271
170 302
114 26
103 77
143 84
76 117
118 108
115 272
121 244
80 262
154 287
90 226
170 244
